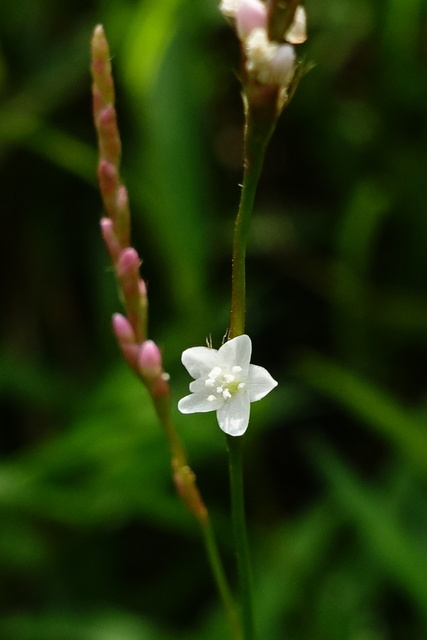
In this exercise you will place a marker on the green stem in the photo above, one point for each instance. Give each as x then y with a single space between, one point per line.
257 135
221 580
240 536
187 487
258 131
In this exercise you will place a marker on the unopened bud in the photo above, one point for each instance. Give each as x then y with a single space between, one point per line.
126 339
122 328
149 360
250 15
128 264
110 239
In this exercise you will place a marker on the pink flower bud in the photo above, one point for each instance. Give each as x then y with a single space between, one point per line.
110 239
128 263
126 340
108 177
250 15
122 329
149 360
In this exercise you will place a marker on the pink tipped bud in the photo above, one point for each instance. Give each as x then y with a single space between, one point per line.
110 239
128 264
109 140
108 177
126 340
122 329
149 360
101 67
250 15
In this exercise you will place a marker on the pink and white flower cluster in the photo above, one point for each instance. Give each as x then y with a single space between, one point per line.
267 62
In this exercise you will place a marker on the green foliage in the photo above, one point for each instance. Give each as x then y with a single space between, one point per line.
94 544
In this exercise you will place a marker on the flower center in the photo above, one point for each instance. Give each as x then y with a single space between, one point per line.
224 383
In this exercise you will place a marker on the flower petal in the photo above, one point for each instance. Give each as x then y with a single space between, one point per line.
233 416
199 386
259 382
236 351
297 32
199 361
199 403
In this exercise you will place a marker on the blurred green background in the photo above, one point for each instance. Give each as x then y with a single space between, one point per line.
94 544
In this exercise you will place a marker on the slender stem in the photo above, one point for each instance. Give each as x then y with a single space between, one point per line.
186 485
256 140
240 537
221 579
258 131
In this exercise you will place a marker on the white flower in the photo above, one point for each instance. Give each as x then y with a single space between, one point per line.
225 382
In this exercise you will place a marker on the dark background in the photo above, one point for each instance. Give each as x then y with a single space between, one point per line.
94 544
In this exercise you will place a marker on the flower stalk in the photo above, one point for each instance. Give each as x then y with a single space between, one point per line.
269 74
244 567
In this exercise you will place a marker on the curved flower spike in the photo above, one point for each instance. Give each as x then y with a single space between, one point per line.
225 382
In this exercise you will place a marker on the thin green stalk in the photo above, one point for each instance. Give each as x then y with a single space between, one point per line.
240 537
258 131
185 482
257 135
221 579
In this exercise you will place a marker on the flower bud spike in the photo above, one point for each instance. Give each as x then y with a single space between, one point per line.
101 66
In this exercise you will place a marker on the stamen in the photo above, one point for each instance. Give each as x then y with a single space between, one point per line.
216 371
219 389
236 369
229 378
211 398
241 385
209 382
226 394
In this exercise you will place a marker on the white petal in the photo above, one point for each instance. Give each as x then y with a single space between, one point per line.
259 382
199 361
199 386
236 351
297 32
233 416
199 403
229 7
